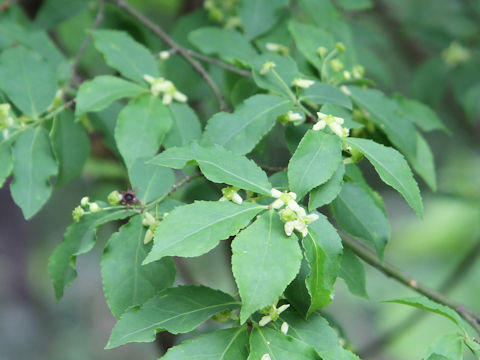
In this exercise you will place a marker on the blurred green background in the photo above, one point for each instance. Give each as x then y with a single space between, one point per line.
427 50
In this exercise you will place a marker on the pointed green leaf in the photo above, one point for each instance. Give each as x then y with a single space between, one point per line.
322 93
422 302
327 192
264 262
279 346
6 161
241 131
141 128
176 310
229 44
448 347
315 161
308 39
316 332
419 114
185 126
323 13
357 214
258 16
194 229
97 94
78 239
33 167
218 165
149 181
423 162
352 272
27 79
383 112
323 250
392 169
227 344
121 52
278 81
71 146
126 282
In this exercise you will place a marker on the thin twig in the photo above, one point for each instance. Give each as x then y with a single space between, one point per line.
88 38
460 270
368 256
219 63
158 31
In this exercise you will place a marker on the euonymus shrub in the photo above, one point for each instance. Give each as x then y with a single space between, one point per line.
298 74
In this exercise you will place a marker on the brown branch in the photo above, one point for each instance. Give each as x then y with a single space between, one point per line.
158 31
369 256
88 38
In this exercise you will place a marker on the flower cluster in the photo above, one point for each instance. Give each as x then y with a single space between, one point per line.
85 207
6 120
333 122
272 313
231 194
162 86
293 215
151 223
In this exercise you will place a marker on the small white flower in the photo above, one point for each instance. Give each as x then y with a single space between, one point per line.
294 116
275 193
284 328
265 320
266 357
289 227
277 204
164 55
293 205
236 198
337 129
281 198
282 308
303 83
320 125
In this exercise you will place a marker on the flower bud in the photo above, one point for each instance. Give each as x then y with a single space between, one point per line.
93 207
266 357
267 66
336 65
294 116
340 47
164 55
303 83
180 97
284 328
114 198
148 219
322 51
265 320
347 75
358 71
85 201
148 236
77 213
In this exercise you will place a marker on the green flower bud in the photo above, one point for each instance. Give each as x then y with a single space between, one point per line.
267 67
322 51
340 47
114 198
336 65
77 213
148 236
93 207
85 201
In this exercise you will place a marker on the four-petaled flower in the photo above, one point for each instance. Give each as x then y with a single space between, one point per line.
273 314
333 122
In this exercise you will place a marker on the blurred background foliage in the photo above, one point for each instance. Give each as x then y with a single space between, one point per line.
427 50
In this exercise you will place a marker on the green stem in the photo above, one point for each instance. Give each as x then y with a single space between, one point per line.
323 73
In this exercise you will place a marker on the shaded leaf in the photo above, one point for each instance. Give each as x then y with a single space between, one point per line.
176 310
327 192
185 126
323 93
258 16
352 272
419 114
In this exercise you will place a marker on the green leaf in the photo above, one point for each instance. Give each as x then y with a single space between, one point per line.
223 344
6 159
297 293
308 39
141 128
194 229
354 174
79 238
383 112
27 80
323 250
176 310
316 332
218 165
150 181
421 302
241 131
99 93
357 214
33 167
470 104
185 126
314 162
229 44
352 272
280 78
419 114
448 347
323 12
121 52
71 146
126 282
264 340
259 16
264 262
322 93
392 169
355 4
54 12
423 162
327 192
